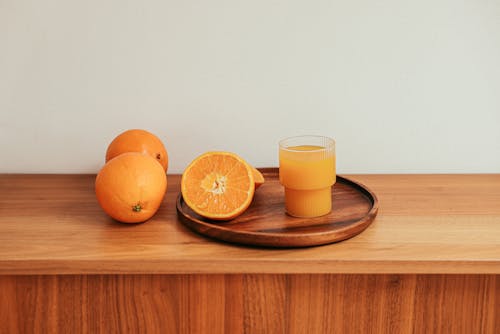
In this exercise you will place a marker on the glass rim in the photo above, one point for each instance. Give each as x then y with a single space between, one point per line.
330 143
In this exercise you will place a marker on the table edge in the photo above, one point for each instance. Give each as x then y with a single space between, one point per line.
87 267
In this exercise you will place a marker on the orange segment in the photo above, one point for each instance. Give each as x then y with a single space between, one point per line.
258 177
218 185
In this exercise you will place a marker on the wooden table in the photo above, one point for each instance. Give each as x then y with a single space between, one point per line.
429 263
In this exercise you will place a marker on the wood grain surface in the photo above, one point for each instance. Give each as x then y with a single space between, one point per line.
250 303
52 224
265 222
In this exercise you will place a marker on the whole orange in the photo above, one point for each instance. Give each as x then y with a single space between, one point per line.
137 140
131 187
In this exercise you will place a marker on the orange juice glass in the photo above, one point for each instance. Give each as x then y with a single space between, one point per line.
307 171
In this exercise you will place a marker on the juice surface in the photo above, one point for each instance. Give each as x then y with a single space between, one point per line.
307 167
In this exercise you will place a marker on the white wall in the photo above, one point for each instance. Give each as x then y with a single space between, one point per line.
403 86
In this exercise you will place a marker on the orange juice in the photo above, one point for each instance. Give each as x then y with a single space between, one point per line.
307 172
312 168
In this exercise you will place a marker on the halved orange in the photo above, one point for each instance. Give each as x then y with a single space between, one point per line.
218 185
258 177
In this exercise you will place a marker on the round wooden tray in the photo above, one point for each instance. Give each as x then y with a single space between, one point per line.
265 222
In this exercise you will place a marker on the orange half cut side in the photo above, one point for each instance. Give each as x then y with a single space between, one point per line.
218 185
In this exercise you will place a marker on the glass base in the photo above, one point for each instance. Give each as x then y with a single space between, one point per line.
308 203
